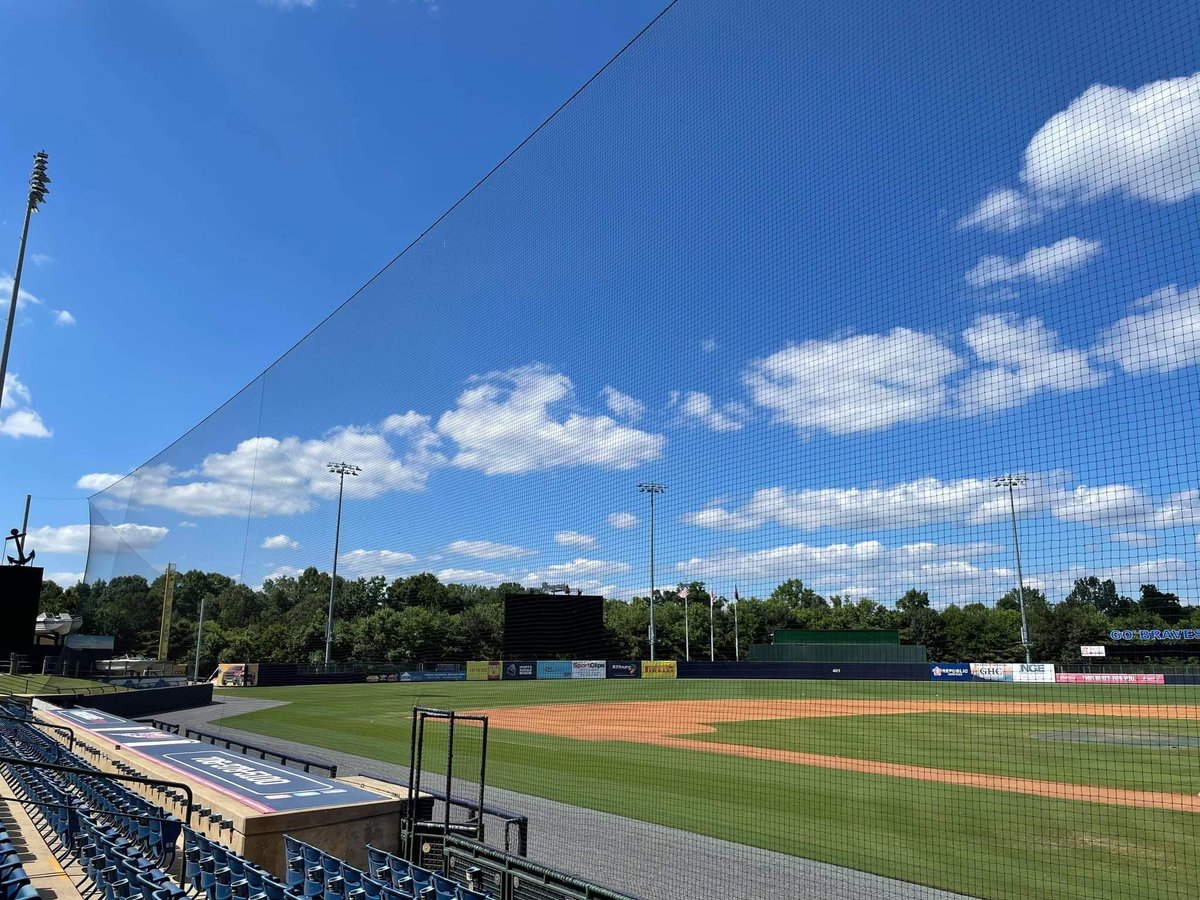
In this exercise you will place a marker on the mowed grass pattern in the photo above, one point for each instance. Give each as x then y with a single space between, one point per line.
978 842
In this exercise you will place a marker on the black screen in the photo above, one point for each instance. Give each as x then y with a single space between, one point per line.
544 626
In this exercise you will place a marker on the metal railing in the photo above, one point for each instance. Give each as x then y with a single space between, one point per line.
247 749
511 877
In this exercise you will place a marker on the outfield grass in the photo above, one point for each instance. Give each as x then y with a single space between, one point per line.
984 843
47 684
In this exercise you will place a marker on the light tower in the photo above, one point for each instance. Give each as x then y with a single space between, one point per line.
651 488
1010 482
341 470
37 196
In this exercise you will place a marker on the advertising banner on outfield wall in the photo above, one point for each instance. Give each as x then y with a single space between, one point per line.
553 669
1025 673
659 668
494 667
519 670
624 668
950 671
587 668
477 670
1108 678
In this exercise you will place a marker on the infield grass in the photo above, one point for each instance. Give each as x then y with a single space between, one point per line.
978 842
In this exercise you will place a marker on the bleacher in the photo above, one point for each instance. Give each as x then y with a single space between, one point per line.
123 846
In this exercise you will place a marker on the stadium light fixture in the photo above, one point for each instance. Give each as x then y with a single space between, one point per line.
37 196
1011 482
341 470
651 488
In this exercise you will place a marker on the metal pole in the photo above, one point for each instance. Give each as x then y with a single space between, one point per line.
1012 505
687 631
25 521
712 647
12 306
199 638
737 650
652 633
337 537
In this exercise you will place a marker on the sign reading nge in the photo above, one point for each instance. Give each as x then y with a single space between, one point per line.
1156 634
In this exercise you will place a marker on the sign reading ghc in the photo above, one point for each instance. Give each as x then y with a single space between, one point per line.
1164 634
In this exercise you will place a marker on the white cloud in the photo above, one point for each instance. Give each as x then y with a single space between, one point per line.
472 576
75 538
97 481
622 405
574 539
41 259
622 520
65 579
1003 210
283 572
504 425
292 4
579 569
1135 538
369 563
697 407
1181 509
186 524
1041 264
280 542
487 549
63 318
268 476
1021 359
1163 337
22 420
1143 144
1114 505
854 384
708 345
24 298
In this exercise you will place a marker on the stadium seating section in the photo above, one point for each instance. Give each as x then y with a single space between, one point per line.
125 846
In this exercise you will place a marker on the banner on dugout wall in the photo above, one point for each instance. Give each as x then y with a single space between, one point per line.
1109 678
554 669
587 668
1022 673
659 668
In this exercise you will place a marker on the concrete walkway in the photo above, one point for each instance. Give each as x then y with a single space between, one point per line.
653 861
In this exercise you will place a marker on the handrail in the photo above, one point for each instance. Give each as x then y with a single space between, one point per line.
246 749
509 867
70 731
96 773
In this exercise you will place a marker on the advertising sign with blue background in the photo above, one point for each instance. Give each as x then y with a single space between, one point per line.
950 671
624 668
554 668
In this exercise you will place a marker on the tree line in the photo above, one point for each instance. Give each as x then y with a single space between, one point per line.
418 618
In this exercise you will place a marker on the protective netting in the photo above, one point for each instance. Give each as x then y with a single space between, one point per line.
876 319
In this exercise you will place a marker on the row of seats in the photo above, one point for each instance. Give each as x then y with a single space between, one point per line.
14 883
317 875
121 841
212 869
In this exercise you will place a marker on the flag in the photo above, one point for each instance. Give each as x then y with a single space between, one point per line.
736 598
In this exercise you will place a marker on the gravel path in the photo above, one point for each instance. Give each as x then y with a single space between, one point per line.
652 861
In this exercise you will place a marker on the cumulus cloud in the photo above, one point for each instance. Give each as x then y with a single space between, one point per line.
699 408
1143 144
1162 337
279 542
97 481
574 539
472 576
63 318
75 538
21 419
857 383
622 405
369 563
65 579
513 422
1019 358
1045 265
487 549
579 569
622 520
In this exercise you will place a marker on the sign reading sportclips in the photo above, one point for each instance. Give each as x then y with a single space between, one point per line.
1156 634
554 669
1025 673
950 671
1109 678
261 785
588 668
624 668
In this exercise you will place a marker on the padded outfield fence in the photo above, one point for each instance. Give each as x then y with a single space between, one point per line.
796 318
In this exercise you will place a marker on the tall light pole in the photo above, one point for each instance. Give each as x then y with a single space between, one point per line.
341 470
1010 482
37 196
651 488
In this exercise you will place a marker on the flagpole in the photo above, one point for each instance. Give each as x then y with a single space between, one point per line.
712 645
687 637
737 650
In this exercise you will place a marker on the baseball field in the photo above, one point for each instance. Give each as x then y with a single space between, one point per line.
991 790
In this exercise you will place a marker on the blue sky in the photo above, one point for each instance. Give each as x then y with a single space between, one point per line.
823 272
